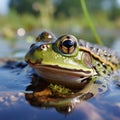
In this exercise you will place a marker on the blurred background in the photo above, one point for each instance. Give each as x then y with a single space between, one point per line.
23 20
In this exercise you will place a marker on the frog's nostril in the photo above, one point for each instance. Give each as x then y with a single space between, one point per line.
43 47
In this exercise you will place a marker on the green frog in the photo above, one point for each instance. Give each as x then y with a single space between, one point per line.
77 70
71 62
72 72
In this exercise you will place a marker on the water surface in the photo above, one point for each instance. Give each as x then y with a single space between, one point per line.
15 105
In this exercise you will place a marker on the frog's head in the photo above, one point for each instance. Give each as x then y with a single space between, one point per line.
61 61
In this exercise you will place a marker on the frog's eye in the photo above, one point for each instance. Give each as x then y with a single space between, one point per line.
45 37
67 44
87 59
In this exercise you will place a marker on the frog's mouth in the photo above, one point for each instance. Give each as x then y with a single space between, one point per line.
58 68
64 76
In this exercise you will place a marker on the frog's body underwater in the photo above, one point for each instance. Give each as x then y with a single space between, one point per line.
71 62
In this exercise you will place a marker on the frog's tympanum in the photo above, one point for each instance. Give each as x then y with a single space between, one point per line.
72 62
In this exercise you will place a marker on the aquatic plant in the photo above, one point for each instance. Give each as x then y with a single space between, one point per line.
90 23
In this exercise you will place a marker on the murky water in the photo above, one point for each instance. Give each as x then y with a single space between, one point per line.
17 103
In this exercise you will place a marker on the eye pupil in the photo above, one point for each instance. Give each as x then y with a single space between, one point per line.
68 46
68 43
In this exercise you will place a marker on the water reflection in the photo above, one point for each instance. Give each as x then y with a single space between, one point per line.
85 106
18 105
42 96
26 97
7 99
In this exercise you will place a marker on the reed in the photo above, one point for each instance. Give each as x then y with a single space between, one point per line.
90 23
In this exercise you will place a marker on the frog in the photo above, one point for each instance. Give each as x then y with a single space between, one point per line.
68 58
69 61
73 63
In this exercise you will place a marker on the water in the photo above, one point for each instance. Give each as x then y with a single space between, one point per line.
104 107
16 102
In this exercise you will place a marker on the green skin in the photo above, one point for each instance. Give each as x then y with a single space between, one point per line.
73 67
58 67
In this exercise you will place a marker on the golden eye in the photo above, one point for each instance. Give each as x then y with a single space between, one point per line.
45 37
67 44
87 59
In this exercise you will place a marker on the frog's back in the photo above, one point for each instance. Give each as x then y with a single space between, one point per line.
101 53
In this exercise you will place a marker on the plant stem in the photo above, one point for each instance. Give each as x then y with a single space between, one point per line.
98 40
